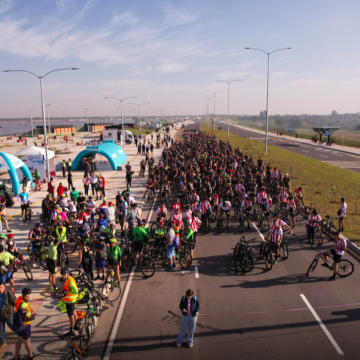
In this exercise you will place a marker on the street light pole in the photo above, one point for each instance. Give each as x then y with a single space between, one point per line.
267 88
228 82
214 92
87 120
43 110
122 118
48 124
32 128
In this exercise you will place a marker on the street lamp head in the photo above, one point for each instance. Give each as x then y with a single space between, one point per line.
75 68
105 97
289 48
6 70
247 48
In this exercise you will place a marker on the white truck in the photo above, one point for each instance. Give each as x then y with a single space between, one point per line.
116 136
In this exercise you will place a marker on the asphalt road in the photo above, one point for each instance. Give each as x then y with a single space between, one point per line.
257 315
326 154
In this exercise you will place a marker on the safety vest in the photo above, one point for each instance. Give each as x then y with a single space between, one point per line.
69 163
62 237
69 298
19 301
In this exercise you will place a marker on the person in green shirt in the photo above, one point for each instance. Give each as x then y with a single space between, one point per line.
37 179
74 193
189 237
114 259
6 258
108 233
140 234
51 263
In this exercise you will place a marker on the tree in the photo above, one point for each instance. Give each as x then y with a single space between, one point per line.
262 114
334 113
279 121
296 123
357 128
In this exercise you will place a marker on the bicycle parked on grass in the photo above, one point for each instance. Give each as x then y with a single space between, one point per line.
346 267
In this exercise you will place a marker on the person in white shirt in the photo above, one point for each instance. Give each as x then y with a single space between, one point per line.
110 212
93 182
225 206
90 203
130 200
342 214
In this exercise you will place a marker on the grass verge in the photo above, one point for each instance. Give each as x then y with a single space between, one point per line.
323 184
136 131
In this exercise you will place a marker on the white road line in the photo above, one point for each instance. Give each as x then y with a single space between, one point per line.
304 151
261 235
196 272
323 156
123 300
323 327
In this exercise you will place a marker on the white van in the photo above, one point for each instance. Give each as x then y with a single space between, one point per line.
116 136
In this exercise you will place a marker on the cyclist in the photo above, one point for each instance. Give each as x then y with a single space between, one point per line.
108 233
114 260
139 235
51 263
24 202
337 252
177 217
161 212
342 214
189 238
176 205
194 198
312 224
34 237
281 223
37 180
261 199
71 292
6 259
205 210
188 213
27 315
276 233
287 182
194 222
225 206
149 187
299 195
283 197
102 223
291 209
61 236
246 207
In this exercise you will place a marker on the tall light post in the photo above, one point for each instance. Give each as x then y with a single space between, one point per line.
32 128
228 82
122 118
267 88
64 115
208 99
87 120
47 105
43 110
214 92
138 105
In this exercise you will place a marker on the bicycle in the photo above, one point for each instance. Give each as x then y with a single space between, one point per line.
221 225
41 251
267 250
112 288
243 256
78 345
148 266
185 258
20 262
346 267
242 221
329 226
262 221
126 253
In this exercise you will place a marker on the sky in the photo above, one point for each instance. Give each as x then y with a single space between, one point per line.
170 53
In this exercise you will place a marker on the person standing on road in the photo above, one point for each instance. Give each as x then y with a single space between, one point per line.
24 202
342 214
69 165
93 182
7 303
63 166
70 181
86 182
3 216
51 188
190 307
51 263
71 292
100 250
22 305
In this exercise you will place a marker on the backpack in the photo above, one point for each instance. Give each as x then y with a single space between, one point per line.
18 324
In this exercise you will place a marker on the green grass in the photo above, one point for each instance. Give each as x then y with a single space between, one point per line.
315 177
136 131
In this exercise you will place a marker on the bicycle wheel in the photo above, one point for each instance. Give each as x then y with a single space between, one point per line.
221 226
185 259
112 290
332 231
29 250
242 228
212 217
319 237
29 214
284 251
241 262
269 260
346 268
84 340
124 262
148 267
250 264
236 251
153 227
71 246
262 250
277 209
103 297
312 267
165 259
43 259
97 305
90 322
27 271
64 261
74 356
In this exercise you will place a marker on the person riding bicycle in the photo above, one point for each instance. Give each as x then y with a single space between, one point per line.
287 182
205 210
178 218
35 238
312 224
283 198
299 195
261 199
71 292
161 212
102 223
114 260
108 233
61 235
246 208
176 205
281 223
225 206
149 187
337 252
189 238
291 209
140 234
276 233
24 202
194 197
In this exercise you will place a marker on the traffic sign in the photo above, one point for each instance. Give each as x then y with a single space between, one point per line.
327 133
290 129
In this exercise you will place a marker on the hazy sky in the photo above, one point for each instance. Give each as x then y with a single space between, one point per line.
170 52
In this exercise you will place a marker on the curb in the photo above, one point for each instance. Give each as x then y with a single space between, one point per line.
295 141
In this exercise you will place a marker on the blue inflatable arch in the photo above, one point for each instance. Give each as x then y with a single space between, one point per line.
14 163
114 153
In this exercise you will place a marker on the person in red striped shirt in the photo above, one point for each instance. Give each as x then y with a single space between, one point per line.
312 223
194 223
276 234
283 198
176 206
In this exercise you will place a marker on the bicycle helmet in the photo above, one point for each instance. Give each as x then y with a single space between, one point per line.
2 236
110 203
63 195
161 223
61 223
24 188
25 291
65 271
56 206
104 200
140 222
48 195
101 238
112 223
187 223
315 212
10 236
38 224
113 240
101 216
180 183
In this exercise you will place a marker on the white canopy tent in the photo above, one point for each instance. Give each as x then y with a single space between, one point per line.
34 158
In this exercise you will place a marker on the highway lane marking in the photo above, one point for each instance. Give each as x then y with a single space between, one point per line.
304 151
323 156
259 232
196 272
123 300
323 327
